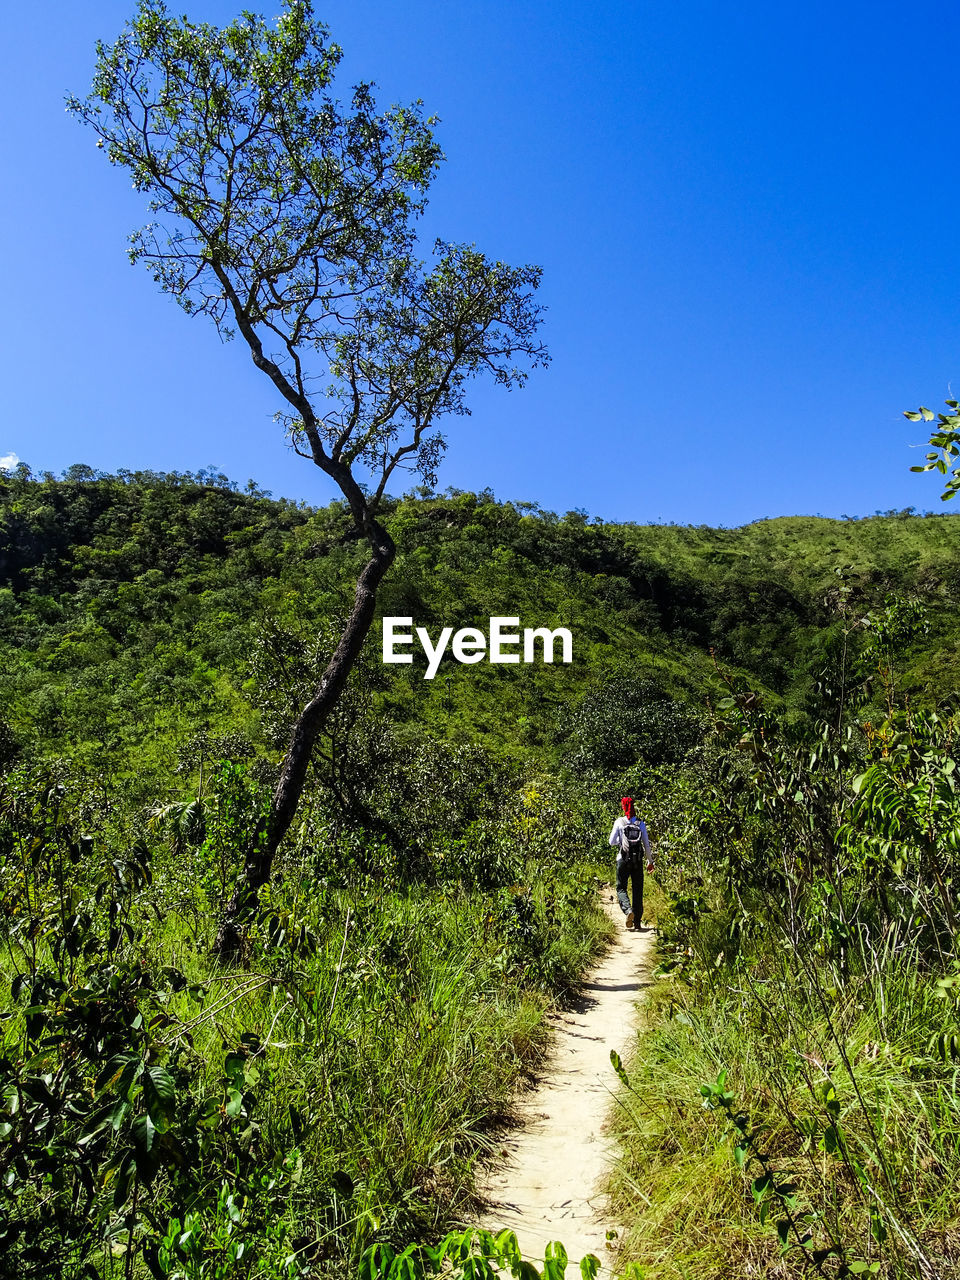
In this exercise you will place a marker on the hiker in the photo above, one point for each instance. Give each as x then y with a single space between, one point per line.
629 835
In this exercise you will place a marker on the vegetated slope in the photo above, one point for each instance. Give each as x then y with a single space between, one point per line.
134 607
155 633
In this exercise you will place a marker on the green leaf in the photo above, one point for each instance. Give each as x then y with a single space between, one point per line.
121 1188
619 1067
525 1270
589 1266
233 1066
761 1187
377 1260
878 1228
174 977
830 1141
554 1261
119 1113
508 1247
144 1131
159 1096
555 1251
477 1268
120 1072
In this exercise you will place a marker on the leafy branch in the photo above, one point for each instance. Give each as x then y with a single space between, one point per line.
946 439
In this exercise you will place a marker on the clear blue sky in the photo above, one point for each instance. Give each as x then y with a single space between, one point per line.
744 213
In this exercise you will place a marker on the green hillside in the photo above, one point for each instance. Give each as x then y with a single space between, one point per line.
136 608
779 699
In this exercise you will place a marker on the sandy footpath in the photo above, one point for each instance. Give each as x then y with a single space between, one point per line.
545 1184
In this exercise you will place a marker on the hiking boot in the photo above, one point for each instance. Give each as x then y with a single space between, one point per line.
628 924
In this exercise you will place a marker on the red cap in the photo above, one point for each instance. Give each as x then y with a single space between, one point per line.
626 804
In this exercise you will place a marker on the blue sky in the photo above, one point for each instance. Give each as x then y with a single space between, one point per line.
743 211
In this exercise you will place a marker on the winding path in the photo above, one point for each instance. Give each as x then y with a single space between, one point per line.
546 1186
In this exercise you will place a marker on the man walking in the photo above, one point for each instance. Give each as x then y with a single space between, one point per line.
629 837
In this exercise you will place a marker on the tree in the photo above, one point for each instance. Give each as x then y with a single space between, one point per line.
624 721
289 220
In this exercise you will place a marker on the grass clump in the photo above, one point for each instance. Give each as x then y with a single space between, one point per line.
843 1099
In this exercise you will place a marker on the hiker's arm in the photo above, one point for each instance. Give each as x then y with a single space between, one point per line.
615 834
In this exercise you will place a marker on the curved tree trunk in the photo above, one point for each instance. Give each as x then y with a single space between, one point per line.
268 834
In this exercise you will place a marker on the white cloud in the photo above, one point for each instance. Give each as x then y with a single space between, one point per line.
9 462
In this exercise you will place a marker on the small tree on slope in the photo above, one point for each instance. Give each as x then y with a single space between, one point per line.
289 220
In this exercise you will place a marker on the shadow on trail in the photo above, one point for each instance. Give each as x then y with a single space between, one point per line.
582 1003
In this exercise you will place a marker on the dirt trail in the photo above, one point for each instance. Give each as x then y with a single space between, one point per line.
546 1186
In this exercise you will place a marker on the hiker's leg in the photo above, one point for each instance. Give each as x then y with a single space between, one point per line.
622 876
638 892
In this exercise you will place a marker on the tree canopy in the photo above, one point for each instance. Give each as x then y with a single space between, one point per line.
290 219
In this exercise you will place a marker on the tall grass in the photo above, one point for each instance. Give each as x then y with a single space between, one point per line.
847 1098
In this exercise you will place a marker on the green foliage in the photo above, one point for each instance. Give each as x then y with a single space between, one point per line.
223 1241
624 721
143 609
156 1108
471 1255
809 973
286 216
945 438
108 1108
438 885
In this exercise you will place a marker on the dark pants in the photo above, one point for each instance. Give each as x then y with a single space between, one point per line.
626 870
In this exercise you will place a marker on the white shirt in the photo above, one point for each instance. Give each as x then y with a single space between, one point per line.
620 840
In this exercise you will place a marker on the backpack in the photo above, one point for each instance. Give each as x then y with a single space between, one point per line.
634 842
